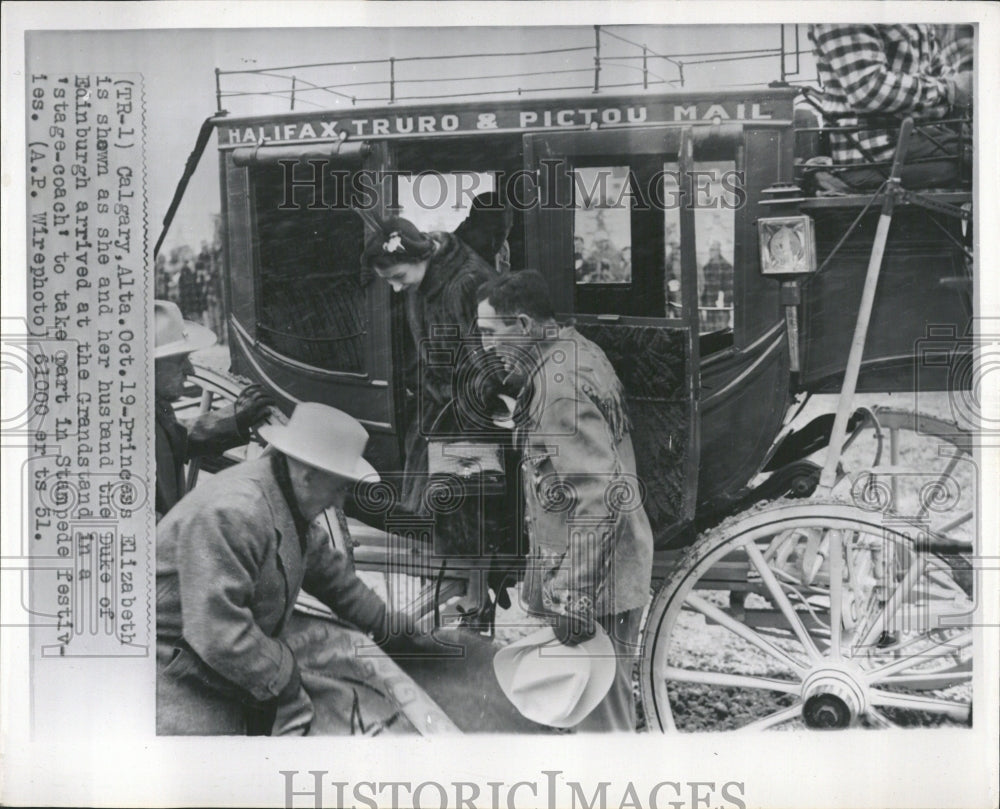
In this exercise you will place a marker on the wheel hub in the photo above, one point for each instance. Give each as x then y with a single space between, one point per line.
833 697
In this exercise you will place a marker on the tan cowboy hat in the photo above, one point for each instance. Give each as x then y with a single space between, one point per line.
323 437
175 335
553 684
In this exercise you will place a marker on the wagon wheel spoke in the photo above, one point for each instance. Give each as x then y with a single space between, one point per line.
960 520
894 460
679 675
782 602
825 581
879 719
931 680
836 592
774 719
940 586
715 614
928 592
951 645
885 621
887 699
924 473
942 574
781 547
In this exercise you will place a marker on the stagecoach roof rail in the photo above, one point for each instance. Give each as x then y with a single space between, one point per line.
391 99
934 199
299 86
866 122
620 38
835 168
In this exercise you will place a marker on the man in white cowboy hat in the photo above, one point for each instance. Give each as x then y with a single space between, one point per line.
591 556
231 558
211 433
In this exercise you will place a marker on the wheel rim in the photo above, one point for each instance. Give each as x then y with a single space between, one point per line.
923 470
796 649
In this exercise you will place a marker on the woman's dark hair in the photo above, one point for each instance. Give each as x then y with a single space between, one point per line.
386 262
523 292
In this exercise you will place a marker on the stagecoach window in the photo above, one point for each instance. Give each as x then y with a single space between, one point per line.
312 302
602 228
440 201
715 241
715 235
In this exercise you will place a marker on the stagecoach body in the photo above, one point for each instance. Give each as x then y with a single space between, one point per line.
708 396
709 378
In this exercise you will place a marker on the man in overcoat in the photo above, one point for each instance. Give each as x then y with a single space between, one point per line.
591 545
189 293
231 559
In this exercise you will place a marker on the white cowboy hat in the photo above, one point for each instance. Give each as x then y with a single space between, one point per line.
323 437
175 335
553 684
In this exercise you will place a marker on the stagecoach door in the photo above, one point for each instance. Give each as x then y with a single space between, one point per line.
607 225
304 320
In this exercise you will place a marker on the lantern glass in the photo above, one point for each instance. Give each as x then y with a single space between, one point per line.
787 245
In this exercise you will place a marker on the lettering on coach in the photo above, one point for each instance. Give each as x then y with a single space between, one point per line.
496 119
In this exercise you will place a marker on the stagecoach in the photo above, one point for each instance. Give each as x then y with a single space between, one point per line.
811 562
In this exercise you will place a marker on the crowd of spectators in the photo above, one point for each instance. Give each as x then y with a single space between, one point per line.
601 261
194 282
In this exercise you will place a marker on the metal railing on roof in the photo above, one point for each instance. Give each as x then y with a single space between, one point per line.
298 89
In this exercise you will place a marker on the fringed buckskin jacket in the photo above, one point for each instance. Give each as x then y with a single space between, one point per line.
591 541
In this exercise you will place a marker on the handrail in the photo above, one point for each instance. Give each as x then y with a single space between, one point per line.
207 127
600 63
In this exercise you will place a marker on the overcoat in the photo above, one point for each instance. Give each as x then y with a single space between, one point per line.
231 558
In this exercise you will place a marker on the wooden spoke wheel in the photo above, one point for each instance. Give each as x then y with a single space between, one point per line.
808 615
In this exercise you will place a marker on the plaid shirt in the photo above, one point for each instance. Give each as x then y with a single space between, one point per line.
957 48
881 70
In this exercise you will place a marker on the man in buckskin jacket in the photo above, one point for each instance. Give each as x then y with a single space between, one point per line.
591 550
